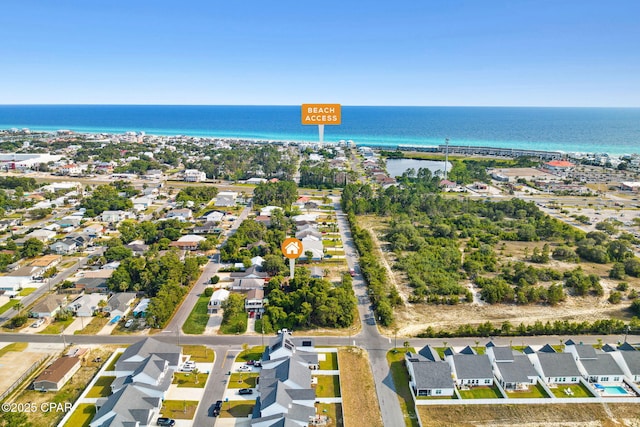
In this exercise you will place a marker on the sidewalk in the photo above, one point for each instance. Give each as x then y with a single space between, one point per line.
213 324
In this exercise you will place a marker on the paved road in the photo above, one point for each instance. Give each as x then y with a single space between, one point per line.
369 337
215 385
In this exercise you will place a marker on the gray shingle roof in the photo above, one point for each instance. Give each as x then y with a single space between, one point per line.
585 351
603 364
503 353
632 359
472 366
432 375
143 349
126 406
429 353
558 365
518 370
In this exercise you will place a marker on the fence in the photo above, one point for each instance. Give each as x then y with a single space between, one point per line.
19 381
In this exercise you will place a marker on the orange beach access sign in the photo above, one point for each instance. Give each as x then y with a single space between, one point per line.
321 114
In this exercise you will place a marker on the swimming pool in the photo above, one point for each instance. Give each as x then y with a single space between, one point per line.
614 390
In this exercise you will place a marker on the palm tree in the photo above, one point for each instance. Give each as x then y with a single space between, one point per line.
18 307
196 372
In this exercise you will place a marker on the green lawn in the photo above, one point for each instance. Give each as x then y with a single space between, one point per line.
27 291
102 387
578 391
57 326
395 358
112 365
82 416
330 362
199 353
237 408
188 379
481 392
243 380
235 325
94 326
328 386
179 409
535 392
253 353
9 305
197 320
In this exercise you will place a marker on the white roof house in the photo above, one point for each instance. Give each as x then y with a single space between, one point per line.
194 175
216 300
314 245
268 210
226 198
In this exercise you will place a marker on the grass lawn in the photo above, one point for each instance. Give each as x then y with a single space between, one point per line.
237 408
9 305
95 325
27 291
82 416
188 379
102 387
199 353
235 325
197 320
330 362
253 353
481 392
179 409
578 391
328 386
333 411
534 392
57 326
243 380
395 358
112 365
16 346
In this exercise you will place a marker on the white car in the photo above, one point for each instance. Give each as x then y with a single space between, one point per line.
129 323
245 368
37 323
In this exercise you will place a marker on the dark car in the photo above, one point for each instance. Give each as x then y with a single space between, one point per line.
216 408
245 391
163 421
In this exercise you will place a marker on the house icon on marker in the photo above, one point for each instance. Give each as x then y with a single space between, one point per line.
291 248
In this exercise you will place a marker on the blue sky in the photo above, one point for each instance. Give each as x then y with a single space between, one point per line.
419 52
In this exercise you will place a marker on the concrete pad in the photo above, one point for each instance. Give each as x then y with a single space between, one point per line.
77 325
14 364
213 325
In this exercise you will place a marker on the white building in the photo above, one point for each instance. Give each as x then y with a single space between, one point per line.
194 175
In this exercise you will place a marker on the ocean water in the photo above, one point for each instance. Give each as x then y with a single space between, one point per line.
594 130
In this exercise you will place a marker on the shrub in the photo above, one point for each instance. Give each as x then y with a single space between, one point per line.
215 279
208 292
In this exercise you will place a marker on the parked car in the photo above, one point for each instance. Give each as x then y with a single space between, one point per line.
245 391
251 362
216 408
244 368
189 363
164 421
128 323
187 369
37 323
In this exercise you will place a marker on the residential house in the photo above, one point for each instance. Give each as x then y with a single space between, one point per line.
257 261
64 247
141 203
56 375
629 360
217 298
209 227
254 303
245 285
309 232
268 210
226 198
46 262
91 285
313 245
113 216
512 369
556 368
181 214
86 305
120 303
141 309
429 378
138 352
471 369
596 366
70 169
189 242
43 235
215 217
153 174
194 175
94 230
19 278
138 247
49 306
252 272
97 274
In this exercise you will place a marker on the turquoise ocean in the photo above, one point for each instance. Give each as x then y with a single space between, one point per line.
614 131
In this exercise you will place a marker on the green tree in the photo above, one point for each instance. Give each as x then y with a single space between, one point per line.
31 248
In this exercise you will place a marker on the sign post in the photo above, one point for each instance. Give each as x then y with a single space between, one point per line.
321 114
292 249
